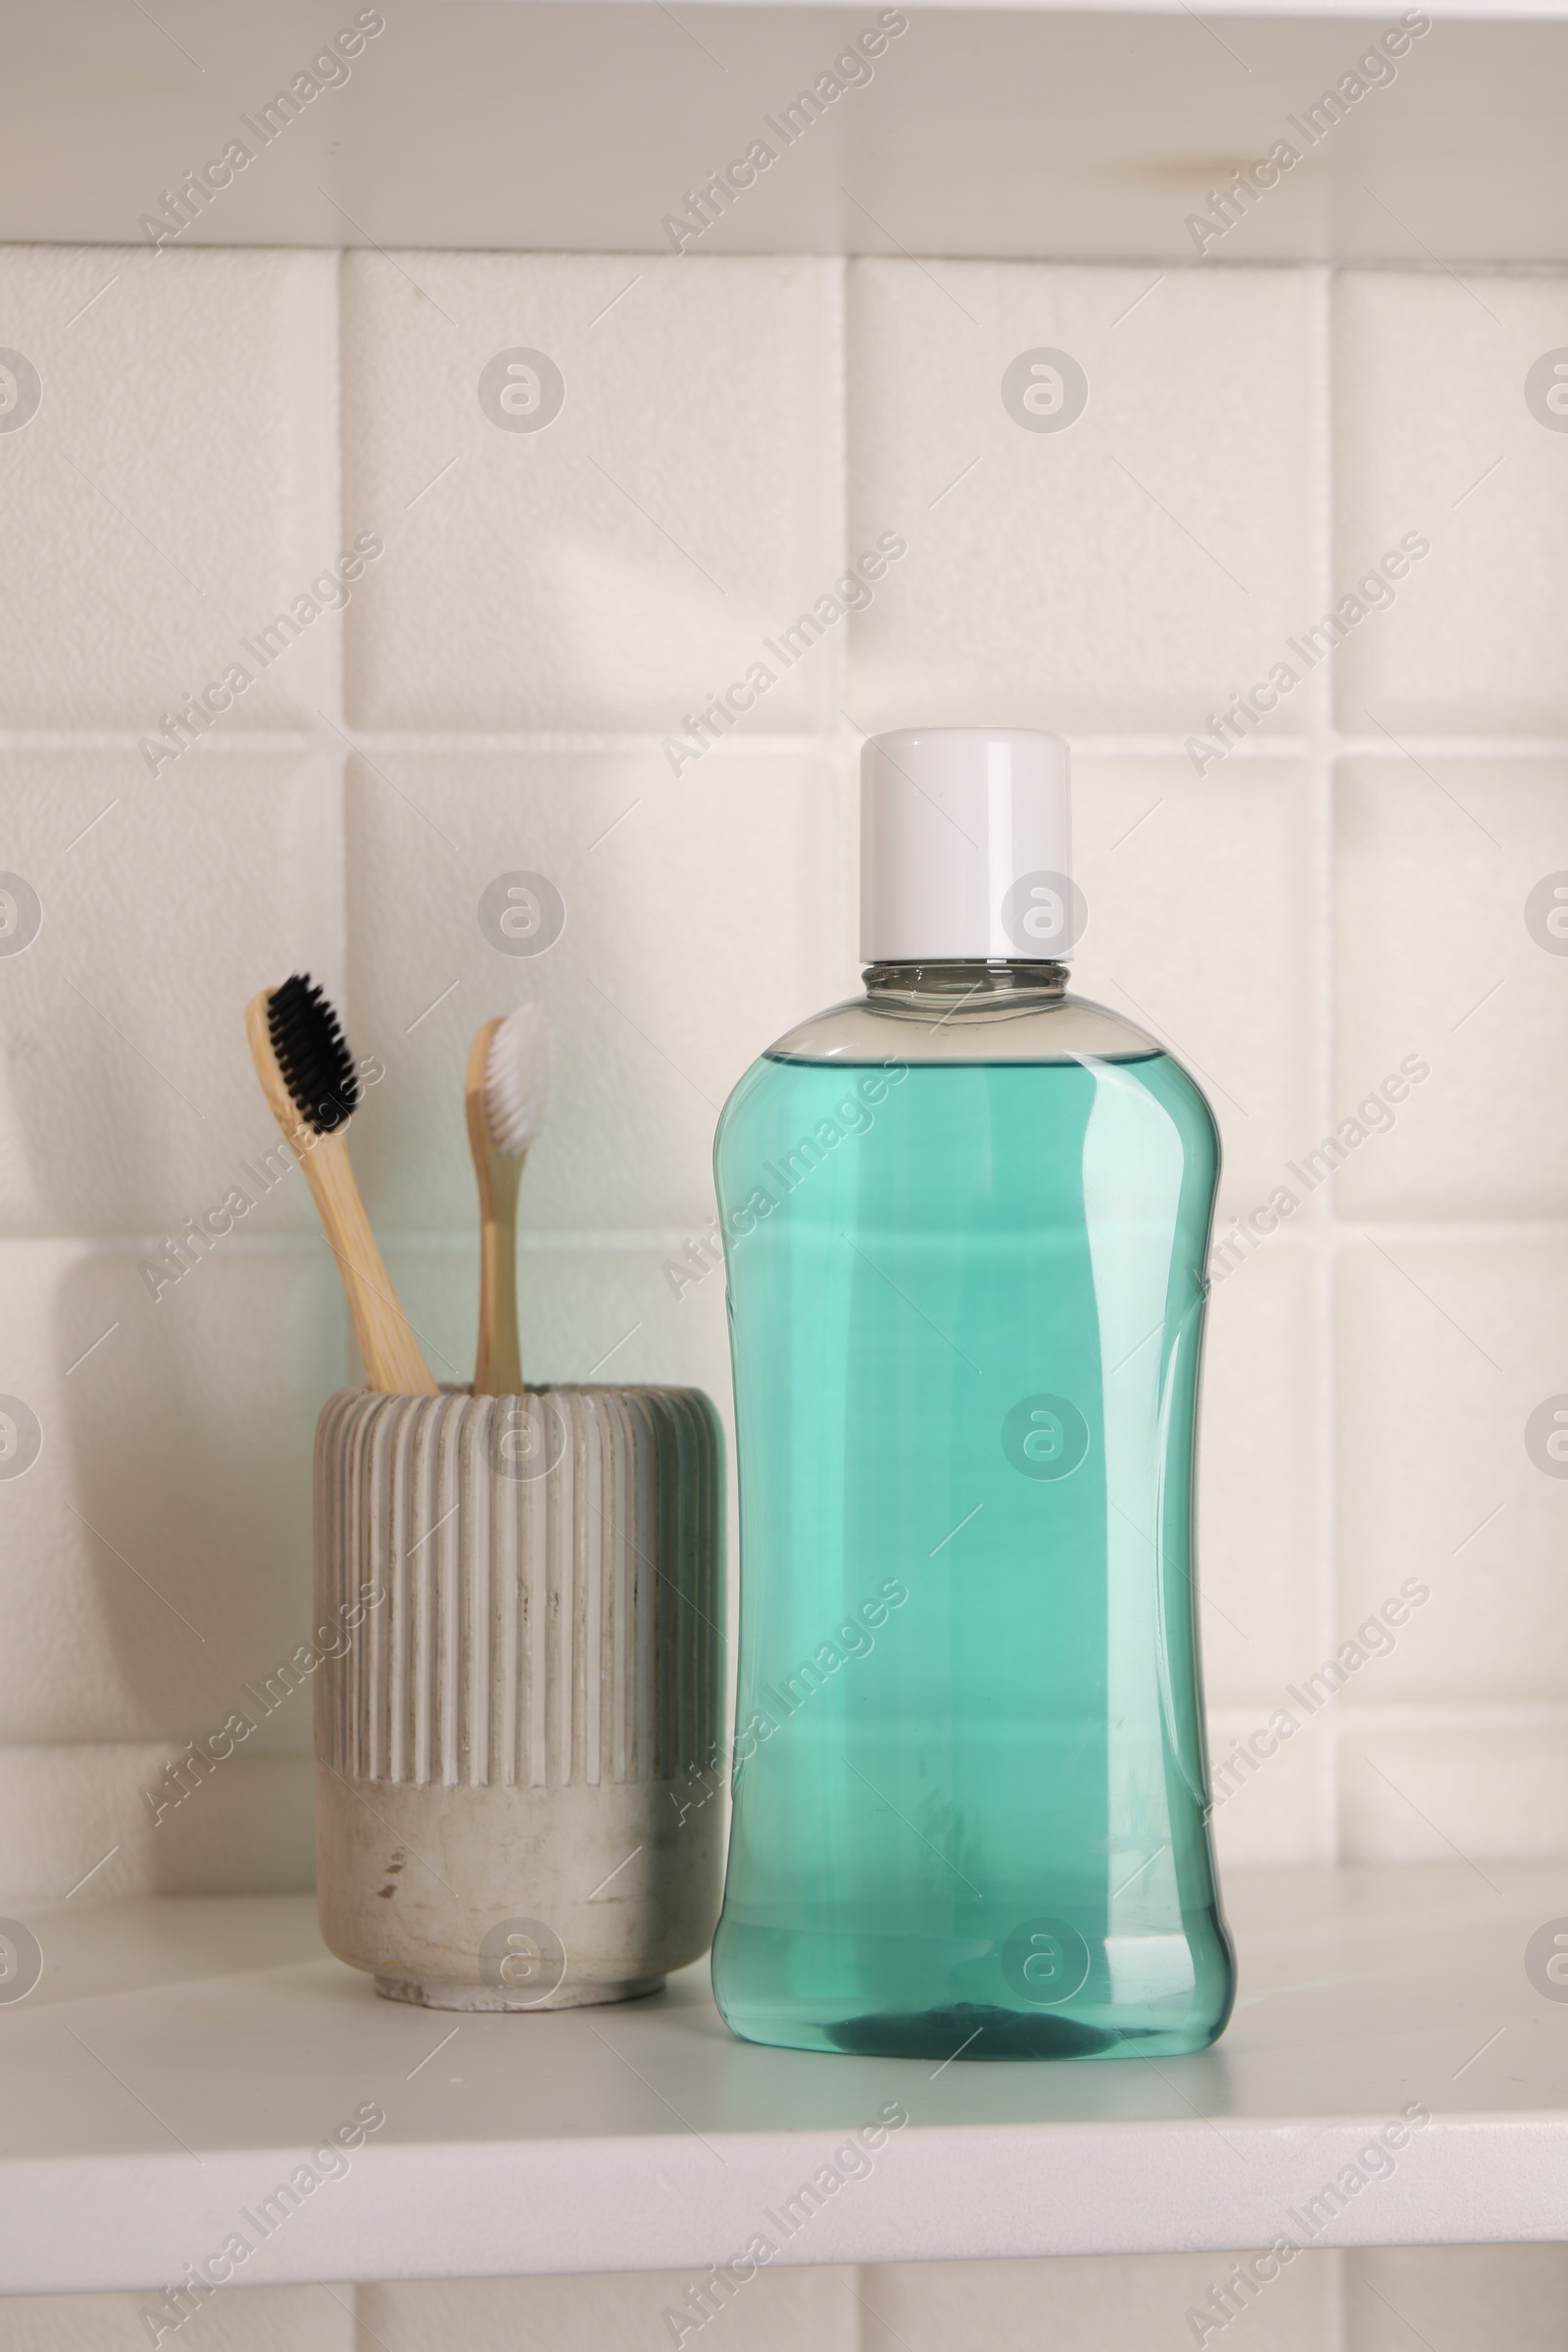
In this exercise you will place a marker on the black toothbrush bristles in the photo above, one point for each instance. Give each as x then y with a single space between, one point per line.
312 1053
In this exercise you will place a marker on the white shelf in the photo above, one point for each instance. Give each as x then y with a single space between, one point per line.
178 2058
1044 131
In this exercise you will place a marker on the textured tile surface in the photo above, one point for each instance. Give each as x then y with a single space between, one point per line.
1452 947
1123 2303
775 2311
1119 574
1499 1786
1432 436
1273 1786
699 923
142 550
75 1818
156 1554
1453 2296
250 2319
127 1099
623 562
1262 1525
1447 1352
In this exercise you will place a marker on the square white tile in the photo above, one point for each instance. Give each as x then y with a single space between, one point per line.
1113 2303
150 914
1452 1469
1113 568
701 919
603 538
155 1511
1444 432
1453 954
1200 930
774 2311
173 491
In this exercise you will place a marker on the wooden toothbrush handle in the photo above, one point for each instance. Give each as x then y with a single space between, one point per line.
393 1359
498 1362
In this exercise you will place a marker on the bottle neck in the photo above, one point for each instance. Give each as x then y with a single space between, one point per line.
946 986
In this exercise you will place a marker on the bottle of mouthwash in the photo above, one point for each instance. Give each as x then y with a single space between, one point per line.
965 1219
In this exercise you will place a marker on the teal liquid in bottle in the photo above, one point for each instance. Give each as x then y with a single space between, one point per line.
965 1223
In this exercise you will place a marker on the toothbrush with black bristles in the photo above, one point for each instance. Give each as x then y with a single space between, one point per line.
308 1076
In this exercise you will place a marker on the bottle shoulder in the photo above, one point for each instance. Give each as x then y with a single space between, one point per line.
1063 1029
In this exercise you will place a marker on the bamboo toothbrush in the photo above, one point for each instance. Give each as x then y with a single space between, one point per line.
506 1094
312 1088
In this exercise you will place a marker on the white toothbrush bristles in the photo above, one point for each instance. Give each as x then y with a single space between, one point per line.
516 1080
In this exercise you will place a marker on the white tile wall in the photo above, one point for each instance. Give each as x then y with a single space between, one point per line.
252 2319
76 1820
1449 2298
777 2312
1264 1525
1453 2296
1114 578
629 1311
701 915
611 571
175 491
1432 435
1348 889
166 903
1435 863
1112 2304
1446 1348
1159 852
167 1514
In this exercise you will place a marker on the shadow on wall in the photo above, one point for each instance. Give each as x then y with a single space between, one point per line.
86 1123
185 1455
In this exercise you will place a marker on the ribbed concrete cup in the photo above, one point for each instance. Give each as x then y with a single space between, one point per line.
517 1745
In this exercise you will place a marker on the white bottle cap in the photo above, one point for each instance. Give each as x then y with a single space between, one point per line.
966 847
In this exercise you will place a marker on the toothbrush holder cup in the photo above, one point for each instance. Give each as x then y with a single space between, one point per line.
519 1717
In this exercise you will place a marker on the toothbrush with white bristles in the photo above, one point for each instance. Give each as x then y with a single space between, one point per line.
506 1094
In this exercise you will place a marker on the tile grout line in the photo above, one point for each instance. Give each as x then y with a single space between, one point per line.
1428 1715
334 683
584 744
1344 1233
1321 720
838 750
1449 1717
836 392
338 719
844 756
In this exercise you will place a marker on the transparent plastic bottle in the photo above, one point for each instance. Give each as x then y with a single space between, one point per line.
965 1222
